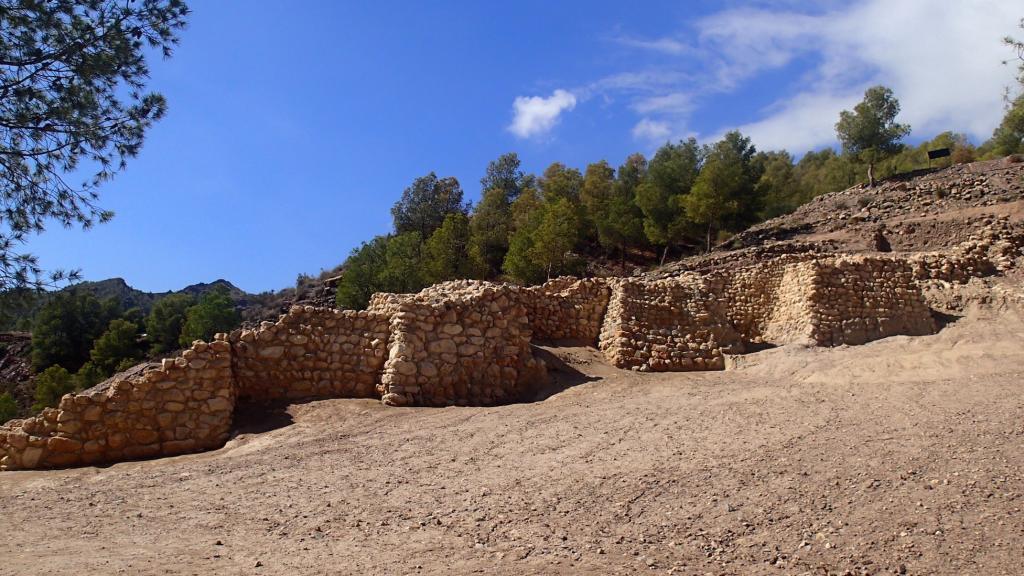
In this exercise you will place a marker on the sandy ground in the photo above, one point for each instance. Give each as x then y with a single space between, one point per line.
901 456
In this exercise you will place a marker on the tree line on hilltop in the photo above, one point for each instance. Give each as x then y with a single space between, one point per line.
685 198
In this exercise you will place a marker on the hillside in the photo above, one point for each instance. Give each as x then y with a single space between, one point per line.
921 211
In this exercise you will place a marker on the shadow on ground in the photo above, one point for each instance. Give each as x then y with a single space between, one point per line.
257 418
561 375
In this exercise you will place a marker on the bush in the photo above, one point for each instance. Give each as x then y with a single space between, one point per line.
126 364
8 408
89 375
51 384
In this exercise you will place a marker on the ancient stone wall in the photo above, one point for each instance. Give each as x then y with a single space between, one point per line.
789 320
856 299
674 324
183 405
567 309
752 295
311 353
462 343
688 322
469 343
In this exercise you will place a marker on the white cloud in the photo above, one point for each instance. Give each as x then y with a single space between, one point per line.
942 60
674 102
663 45
536 115
805 122
651 130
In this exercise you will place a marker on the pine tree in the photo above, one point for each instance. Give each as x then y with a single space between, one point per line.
446 254
120 342
72 89
51 384
164 322
870 133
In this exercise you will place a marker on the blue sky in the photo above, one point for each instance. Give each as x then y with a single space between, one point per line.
293 127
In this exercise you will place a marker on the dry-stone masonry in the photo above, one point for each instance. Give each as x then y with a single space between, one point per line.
567 309
182 405
667 325
462 343
469 343
311 353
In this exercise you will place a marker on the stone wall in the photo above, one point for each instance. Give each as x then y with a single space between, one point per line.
469 343
183 405
857 299
462 343
311 353
567 309
753 295
690 321
674 324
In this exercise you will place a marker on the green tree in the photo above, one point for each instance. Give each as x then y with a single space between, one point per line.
17 307
670 176
778 187
164 322
824 171
214 313
426 203
489 229
51 384
556 235
446 254
8 407
610 202
67 325
505 175
1008 137
718 191
595 194
119 343
622 226
560 182
526 210
402 264
870 133
527 214
360 276
72 88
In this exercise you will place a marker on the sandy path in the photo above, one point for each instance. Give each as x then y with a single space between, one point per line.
904 454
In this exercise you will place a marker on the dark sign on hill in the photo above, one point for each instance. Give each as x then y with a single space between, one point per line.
940 153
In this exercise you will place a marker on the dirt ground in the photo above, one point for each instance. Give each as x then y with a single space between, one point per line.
905 455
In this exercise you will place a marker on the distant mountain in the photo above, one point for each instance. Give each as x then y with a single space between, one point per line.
130 297
18 307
